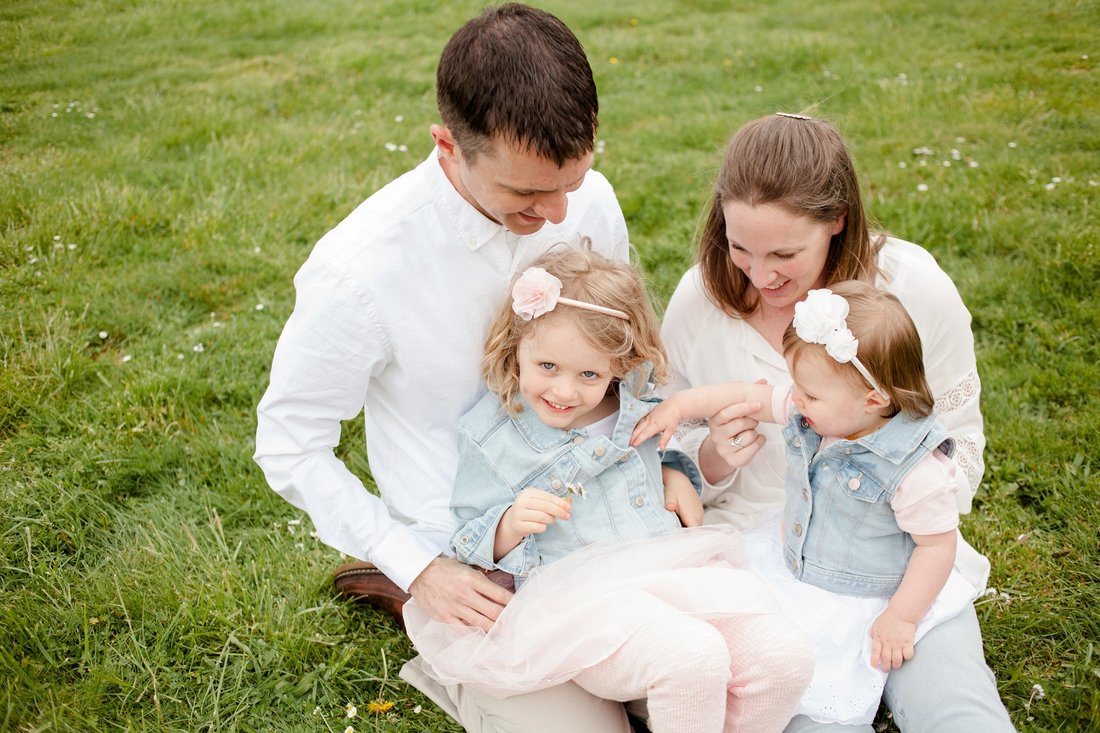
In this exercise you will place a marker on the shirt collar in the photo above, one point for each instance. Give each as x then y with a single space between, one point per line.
473 228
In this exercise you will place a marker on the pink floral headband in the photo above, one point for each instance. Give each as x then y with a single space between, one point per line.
820 319
537 292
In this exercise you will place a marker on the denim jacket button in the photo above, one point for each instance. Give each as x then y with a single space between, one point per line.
805 494
465 540
804 423
578 440
798 530
638 501
853 484
624 458
798 442
555 484
599 451
824 466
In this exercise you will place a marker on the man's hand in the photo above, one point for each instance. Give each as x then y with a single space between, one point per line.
455 593
892 641
680 497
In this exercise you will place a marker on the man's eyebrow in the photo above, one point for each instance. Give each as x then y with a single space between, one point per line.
529 191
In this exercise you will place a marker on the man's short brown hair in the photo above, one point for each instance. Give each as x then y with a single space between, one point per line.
518 73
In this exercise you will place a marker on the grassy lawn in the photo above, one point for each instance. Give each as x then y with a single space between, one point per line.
165 167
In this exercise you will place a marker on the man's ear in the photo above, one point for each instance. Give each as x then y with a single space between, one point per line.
876 402
445 141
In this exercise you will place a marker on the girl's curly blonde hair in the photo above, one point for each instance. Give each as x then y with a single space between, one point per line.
592 278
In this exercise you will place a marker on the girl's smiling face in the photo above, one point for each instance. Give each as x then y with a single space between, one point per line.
562 378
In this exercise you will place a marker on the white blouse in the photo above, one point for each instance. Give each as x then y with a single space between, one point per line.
705 346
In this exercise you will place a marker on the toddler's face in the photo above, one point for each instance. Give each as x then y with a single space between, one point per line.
561 377
832 402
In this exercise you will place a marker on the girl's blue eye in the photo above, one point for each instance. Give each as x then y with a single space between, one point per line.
589 374
548 366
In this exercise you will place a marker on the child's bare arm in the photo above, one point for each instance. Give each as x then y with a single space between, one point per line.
700 402
681 498
927 572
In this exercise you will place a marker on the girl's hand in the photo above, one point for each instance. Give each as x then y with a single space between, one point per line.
533 511
892 641
681 499
663 419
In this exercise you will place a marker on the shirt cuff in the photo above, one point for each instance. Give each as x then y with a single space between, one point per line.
402 555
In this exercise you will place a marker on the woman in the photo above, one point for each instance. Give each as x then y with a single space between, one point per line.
786 218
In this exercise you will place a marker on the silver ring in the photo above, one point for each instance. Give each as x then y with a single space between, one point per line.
736 442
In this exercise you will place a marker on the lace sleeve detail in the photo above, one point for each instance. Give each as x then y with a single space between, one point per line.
963 398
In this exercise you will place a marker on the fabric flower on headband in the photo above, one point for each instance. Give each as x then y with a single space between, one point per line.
537 292
820 319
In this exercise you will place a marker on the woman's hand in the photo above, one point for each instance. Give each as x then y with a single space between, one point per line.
732 442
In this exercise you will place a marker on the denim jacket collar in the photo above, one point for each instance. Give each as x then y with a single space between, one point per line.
898 438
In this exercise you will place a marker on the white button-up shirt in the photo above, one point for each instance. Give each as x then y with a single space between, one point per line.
392 310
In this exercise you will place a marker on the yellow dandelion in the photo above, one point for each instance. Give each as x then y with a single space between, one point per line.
613 60
379 706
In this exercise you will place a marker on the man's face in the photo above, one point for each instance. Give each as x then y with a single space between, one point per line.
513 186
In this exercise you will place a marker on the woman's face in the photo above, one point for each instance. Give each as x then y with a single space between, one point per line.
782 254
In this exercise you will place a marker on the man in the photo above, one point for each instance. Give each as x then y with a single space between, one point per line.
390 317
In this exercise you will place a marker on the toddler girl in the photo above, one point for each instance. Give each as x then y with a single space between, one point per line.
612 592
864 555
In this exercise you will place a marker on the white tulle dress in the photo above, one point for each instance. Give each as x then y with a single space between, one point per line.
845 688
577 611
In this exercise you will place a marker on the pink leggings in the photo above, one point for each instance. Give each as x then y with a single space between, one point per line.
741 673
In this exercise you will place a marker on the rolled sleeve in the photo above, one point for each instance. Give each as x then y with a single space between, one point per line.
480 499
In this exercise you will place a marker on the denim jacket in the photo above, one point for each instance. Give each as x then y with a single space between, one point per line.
839 530
500 455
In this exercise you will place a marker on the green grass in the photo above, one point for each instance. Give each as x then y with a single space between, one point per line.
165 167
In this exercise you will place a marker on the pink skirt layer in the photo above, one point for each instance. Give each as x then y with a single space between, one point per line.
576 612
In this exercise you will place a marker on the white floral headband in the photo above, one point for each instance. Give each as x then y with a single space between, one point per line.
820 319
537 292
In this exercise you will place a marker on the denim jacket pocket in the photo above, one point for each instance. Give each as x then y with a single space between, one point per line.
860 486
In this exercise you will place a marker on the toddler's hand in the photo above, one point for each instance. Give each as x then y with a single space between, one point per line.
663 419
534 510
892 641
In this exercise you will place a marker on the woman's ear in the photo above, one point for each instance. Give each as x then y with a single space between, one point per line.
841 221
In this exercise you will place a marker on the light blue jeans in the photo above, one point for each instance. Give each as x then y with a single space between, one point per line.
945 688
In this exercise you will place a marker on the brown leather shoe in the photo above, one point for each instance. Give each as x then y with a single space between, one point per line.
362 582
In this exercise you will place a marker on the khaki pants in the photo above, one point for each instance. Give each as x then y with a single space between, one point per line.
563 708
